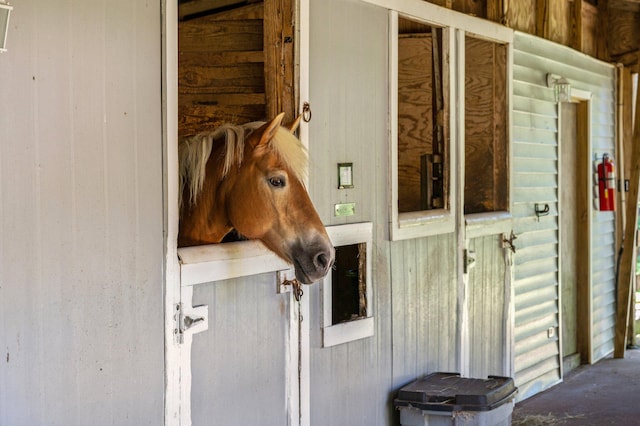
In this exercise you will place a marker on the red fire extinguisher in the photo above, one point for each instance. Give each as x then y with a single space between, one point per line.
606 184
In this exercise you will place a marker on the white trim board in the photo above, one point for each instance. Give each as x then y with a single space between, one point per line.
437 15
217 262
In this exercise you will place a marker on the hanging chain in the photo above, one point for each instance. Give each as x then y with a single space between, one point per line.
296 288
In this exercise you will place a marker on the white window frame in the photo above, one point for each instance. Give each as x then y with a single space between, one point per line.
336 334
498 221
427 222
455 25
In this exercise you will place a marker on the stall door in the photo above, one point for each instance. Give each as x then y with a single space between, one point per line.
575 247
568 238
487 220
488 266
240 329
239 365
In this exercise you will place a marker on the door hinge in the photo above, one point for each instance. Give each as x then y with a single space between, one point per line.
192 320
469 260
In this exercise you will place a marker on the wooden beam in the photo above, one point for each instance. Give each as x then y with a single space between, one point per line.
542 18
628 5
602 50
624 135
200 6
278 53
495 11
620 157
627 59
576 39
627 262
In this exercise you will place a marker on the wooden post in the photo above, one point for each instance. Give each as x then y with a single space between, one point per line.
602 46
278 54
577 25
624 135
495 11
627 262
542 18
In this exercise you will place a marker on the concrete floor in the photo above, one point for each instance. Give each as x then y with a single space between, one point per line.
607 393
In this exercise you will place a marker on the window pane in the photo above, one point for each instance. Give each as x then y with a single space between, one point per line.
486 154
422 118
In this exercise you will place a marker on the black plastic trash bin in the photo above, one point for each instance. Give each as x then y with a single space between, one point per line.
448 399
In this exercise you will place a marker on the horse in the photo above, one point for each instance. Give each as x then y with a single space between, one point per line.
250 178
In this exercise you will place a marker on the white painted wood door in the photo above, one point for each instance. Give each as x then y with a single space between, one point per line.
489 300
244 369
568 237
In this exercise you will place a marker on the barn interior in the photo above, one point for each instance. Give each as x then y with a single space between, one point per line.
237 63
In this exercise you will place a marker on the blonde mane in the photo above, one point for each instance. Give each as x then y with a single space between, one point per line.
194 153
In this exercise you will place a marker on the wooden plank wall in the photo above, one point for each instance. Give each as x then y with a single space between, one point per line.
236 66
521 15
221 74
605 29
624 35
415 115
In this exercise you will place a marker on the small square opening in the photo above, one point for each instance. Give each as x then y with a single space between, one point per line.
347 307
349 284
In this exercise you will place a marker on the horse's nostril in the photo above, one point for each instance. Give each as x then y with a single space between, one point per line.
322 261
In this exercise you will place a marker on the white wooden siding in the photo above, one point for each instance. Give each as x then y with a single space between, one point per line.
81 215
486 314
415 282
536 166
424 304
350 383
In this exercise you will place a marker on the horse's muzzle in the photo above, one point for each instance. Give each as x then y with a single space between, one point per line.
313 261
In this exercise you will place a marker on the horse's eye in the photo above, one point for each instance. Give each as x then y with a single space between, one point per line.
277 182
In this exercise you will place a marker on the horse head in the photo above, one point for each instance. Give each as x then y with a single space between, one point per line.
266 200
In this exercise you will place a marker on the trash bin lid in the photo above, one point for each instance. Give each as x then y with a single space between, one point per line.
450 392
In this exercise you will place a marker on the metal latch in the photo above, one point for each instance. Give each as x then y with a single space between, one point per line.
507 241
287 282
469 260
193 321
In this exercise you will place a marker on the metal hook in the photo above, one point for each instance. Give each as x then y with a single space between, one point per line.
541 211
306 112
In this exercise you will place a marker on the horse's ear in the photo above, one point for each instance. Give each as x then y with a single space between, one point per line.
294 125
270 129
